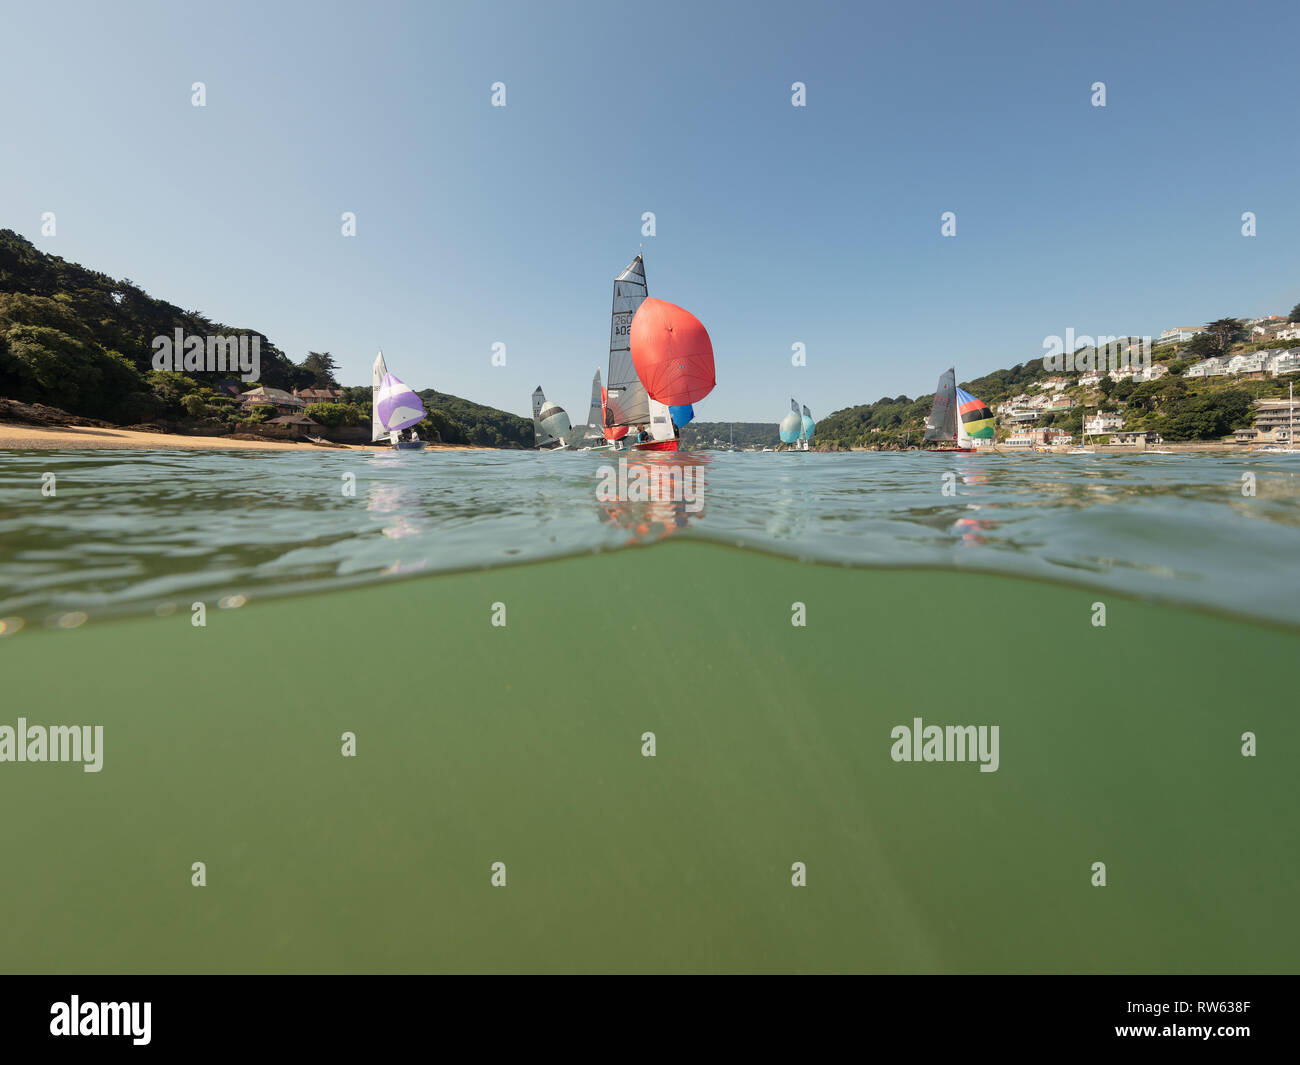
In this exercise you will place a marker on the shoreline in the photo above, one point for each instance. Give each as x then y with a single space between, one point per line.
17 437
1183 447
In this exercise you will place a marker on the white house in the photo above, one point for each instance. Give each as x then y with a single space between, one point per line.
1291 333
1153 372
1103 422
1178 333
1254 362
1286 362
1212 367
1091 378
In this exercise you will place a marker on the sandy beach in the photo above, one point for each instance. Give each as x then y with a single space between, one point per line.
46 438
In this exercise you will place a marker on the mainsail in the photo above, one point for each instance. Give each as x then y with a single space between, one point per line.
596 413
942 423
808 424
627 402
377 374
540 436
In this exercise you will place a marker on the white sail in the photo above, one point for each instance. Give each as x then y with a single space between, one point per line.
963 437
596 412
661 420
541 436
628 402
378 430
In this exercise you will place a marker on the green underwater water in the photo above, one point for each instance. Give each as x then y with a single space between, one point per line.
522 744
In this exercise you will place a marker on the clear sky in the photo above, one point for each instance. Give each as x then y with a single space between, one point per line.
775 224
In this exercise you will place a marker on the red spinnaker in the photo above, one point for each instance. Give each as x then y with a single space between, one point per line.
618 431
672 353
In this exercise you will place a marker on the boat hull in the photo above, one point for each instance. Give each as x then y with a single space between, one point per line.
949 450
409 445
658 445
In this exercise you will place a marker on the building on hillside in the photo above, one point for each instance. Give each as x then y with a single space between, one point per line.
1103 421
1153 372
319 395
1211 367
1092 378
1139 437
1253 363
1290 333
1274 416
284 402
1178 334
1285 361
1042 437
296 426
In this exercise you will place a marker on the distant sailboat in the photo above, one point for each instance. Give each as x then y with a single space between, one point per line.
550 422
809 425
957 417
593 433
393 407
791 427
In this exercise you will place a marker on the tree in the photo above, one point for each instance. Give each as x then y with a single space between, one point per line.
334 415
1295 313
1225 331
1203 345
194 405
321 365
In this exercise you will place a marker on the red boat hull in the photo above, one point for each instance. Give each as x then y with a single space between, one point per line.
949 450
657 445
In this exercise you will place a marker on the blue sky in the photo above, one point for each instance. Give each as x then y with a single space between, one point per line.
775 224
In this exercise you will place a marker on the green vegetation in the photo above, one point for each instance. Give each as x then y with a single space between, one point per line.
78 340
900 421
699 436
459 421
1175 407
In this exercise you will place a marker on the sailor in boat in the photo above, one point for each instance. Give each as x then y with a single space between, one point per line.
642 435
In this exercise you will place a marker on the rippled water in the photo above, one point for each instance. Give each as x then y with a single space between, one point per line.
130 532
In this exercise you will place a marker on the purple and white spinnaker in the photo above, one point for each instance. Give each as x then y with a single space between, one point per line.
394 406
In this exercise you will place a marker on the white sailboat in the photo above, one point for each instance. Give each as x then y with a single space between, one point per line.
627 403
393 408
593 436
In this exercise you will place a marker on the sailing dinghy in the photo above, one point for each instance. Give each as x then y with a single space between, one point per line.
660 364
627 403
394 407
957 417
